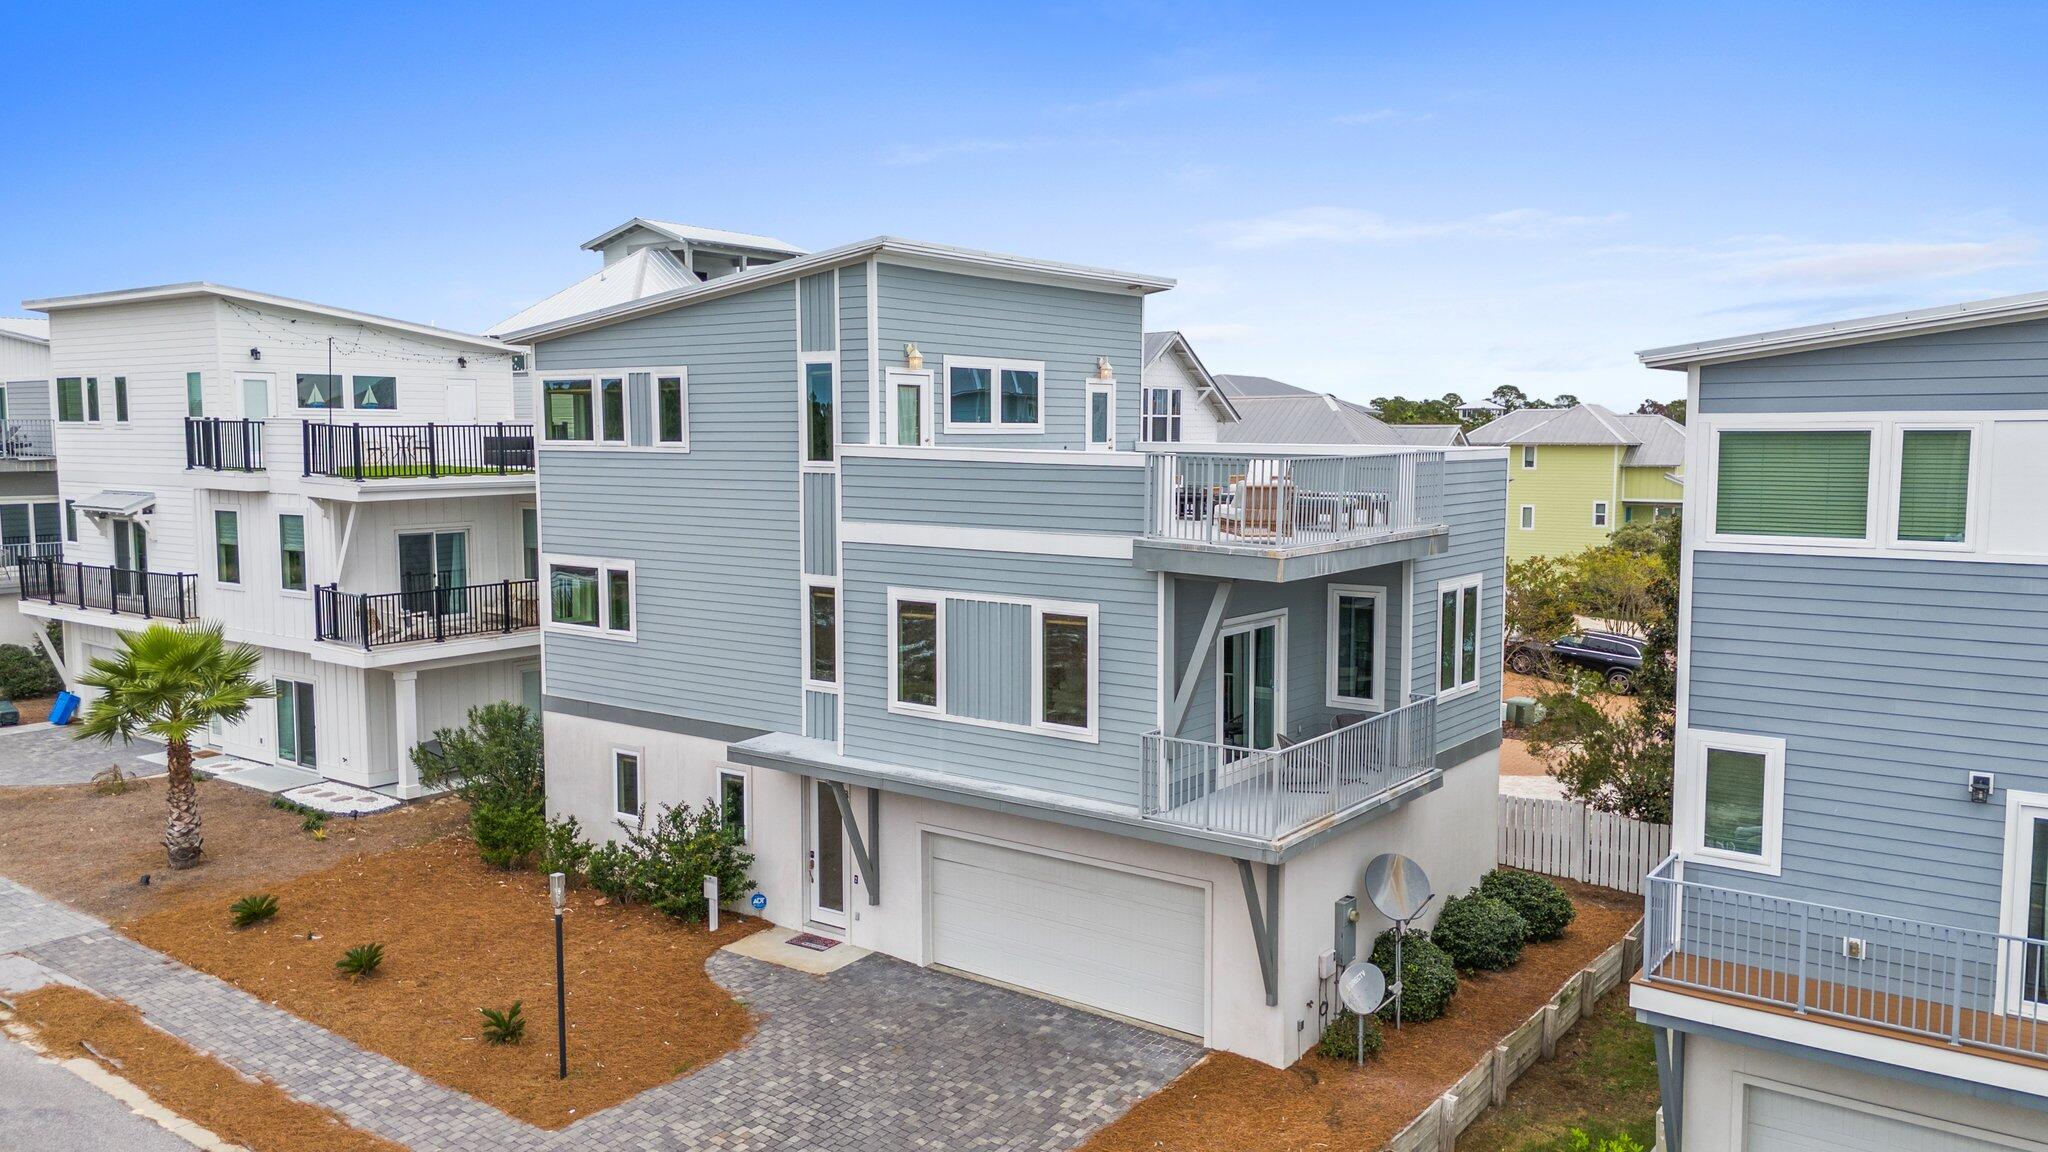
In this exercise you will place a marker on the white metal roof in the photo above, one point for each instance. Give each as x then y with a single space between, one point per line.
205 288
1308 418
115 502
646 272
1581 424
25 328
691 234
1889 326
1661 441
1241 387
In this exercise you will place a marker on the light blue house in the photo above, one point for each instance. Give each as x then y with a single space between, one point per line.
1846 949
863 545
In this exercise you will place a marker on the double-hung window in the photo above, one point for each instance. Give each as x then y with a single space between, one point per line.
591 597
227 543
1162 415
1801 483
1356 640
821 636
1458 615
1528 457
291 551
319 390
993 395
1737 798
1599 513
1934 486
989 684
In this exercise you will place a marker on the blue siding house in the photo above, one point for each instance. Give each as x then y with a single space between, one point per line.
1846 948
865 547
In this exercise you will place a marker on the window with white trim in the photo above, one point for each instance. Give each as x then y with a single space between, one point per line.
1162 415
1056 695
566 405
1065 643
318 390
626 781
732 802
637 408
1355 643
1811 483
1529 457
227 547
672 407
120 399
1458 614
1528 517
984 395
1934 486
593 597
1599 513
1738 799
915 633
821 425
821 635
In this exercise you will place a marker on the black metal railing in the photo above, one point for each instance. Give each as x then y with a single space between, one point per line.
432 613
413 451
223 445
122 591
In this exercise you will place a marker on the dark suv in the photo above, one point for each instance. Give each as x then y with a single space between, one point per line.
1615 657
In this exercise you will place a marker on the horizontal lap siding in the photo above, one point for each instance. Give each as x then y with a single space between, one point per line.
1474 507
1889 680
2002 366
713 531
1038 497
946 313
1107 771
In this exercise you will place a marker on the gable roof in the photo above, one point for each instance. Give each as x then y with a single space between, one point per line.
1308 418
1889 326
247 296
1244 386
35 331
1582 424
1431 435
690 234
1662 441
1158 344
646 272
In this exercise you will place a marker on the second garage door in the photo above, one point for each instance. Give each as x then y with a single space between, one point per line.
1783 1122
1115 941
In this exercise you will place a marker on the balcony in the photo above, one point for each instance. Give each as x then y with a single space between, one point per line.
1282 793
215 444
119 591
27 445
1288 517
395 452
1913 980
430 615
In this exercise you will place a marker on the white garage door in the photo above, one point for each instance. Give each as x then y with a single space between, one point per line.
1782 1122
1122 943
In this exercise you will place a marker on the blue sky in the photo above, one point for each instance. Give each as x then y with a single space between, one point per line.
1363 198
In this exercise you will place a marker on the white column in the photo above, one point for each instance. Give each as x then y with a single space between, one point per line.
405 691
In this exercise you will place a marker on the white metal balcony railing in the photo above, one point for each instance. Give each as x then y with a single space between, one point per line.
28 440
1958 986
1220 499
1267 795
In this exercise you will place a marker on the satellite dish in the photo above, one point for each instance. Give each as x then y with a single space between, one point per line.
1363 988
1397 885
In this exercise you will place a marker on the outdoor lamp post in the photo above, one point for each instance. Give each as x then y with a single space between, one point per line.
558 895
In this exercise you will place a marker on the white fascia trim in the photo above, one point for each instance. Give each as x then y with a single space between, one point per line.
936 453
1248 448
1089 545
1810 1032
2000 310
206 288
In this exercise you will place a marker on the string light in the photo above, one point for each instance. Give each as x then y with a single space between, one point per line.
367 341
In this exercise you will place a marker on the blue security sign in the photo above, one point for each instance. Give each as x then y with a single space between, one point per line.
759 901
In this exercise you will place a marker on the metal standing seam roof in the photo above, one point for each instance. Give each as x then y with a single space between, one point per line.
1240 387
115 502
1584 424
1662 441
691 234
1891 325
1307 419
646 272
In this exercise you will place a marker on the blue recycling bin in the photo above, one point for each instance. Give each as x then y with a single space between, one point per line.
65 709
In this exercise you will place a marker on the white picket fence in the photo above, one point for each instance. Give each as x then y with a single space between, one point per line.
1566 838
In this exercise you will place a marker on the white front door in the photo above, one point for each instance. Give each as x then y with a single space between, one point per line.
462 402
1101 417
906 396
2022 964
826 870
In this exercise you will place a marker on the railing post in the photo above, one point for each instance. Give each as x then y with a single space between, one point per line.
433 453
362 617
79 578
1955 1006
440 595
504 448
356 448
1799 1005
145 595
305 447
504 598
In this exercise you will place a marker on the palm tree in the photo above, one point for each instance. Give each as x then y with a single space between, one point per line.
170 683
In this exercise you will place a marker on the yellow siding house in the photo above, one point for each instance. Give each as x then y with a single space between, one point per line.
1576 474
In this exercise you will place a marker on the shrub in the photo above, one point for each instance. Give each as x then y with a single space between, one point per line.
503 1027
1340 1039
360 960
1480 932
610 870
252 910
1540 900
1428 977
26 672
663 865
1579 1141
563 848
508 832
494 758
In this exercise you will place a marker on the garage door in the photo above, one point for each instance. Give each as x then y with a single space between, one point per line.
1782 1122
1118 942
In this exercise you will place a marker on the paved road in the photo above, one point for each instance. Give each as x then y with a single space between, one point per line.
44 1108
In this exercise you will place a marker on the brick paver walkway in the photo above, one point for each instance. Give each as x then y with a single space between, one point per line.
30 756
880 1055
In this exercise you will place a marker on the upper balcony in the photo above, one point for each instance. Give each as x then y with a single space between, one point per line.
429 615
418 458
102 588
219 444
27 445
1287 516
1912 980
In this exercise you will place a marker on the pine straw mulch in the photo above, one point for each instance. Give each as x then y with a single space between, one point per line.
255 1114
459 936
1228 1101
89 850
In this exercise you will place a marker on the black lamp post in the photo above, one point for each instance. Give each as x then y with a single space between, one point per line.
558 895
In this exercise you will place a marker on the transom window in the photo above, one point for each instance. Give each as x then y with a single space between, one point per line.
1357 636
1162 415
1737 794
1458 635
993 395
591 596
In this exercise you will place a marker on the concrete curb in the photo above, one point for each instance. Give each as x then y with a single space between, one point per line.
126 1091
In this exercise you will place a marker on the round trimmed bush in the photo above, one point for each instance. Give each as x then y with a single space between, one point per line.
1428 977
1480 932
1540 900
1340 1039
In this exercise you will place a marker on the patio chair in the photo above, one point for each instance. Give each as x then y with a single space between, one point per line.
1259 510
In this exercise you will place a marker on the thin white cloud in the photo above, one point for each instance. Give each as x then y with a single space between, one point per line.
1382 116
1358 226
912 155
1837 265
1203 88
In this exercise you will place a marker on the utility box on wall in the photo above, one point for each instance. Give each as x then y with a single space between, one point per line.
1347 930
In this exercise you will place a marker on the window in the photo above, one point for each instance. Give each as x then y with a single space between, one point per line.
1599 513
71 521
1102 415
594 597
27 530
1934 485
1808 483
1529 457
732 801
1065 684
529 534
1457 635
1738 796
376 393
1357 636
195 394
914 672
227 544
70 400
1162 416
611 392
1528 517
626 783
120 399
566 405
291 551
319 390
92 399
671 419
993 395
519 361
819 431
821 635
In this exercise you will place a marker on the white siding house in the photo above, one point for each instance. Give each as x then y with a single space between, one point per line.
29 524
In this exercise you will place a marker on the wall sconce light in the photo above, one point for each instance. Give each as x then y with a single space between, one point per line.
1980 787
1102 369
462 361
912 358
255 353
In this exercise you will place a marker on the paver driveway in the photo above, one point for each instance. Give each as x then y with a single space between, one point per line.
879 1055
54 756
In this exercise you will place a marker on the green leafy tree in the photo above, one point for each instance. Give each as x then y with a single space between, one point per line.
169 684
1401 410
1542 599
1669 409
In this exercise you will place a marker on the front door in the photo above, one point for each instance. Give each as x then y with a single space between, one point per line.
1248 664
1101 417
908 399
255 397
2025 963
462 402
429 561
827 859
131 557
295 723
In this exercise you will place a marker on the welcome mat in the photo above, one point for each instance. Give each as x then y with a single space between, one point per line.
814 943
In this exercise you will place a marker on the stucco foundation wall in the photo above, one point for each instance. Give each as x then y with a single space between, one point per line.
14 627
1716 1073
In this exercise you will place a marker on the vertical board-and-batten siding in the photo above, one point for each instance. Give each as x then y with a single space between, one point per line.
713 530
988 660
821 524
949 313
821 715
853 354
